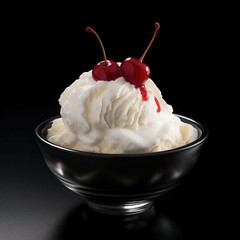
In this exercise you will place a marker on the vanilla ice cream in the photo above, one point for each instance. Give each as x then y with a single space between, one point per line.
111 117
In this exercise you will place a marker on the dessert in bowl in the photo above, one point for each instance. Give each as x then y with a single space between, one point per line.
120 183
117 142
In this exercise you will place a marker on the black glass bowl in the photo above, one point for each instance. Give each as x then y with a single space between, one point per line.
120 183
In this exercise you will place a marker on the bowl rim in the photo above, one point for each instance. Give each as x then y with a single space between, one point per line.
201 128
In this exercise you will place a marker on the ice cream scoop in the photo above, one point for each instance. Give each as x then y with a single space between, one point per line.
111 117
109 143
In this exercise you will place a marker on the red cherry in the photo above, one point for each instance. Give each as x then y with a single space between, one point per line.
106 70
136 72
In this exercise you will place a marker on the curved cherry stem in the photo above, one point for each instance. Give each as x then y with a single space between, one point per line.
90 30
157 26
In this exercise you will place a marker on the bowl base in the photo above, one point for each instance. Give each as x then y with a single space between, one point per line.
120 208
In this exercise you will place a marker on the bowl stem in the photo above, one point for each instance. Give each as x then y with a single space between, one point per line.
120 208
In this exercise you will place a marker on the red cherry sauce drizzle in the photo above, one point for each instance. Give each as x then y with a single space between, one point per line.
145 97
144 93
158 104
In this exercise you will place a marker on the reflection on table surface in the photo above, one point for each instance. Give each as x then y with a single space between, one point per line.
153 224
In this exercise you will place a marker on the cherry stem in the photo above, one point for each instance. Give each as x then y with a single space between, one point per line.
90 30
157 26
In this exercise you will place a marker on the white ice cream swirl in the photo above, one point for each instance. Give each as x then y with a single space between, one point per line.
111 117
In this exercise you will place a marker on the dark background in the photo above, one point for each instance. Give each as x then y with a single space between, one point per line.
43 51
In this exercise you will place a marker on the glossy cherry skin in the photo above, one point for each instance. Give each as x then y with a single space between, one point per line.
135 71
108 72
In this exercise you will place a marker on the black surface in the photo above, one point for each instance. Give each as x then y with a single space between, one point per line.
44 51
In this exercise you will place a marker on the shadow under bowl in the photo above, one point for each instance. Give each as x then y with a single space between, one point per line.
120 184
